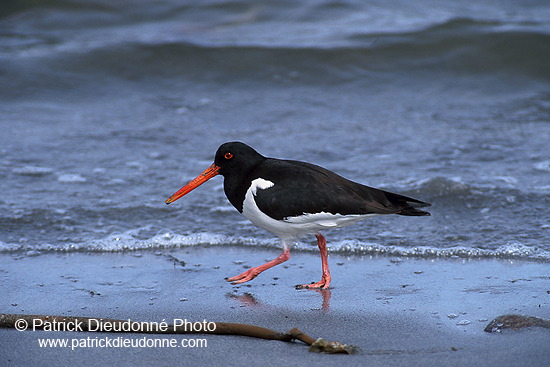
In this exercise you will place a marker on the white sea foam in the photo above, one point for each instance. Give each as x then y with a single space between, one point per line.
32 171
129 241
71 178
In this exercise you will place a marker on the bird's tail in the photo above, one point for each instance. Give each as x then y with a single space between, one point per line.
413 212
409 205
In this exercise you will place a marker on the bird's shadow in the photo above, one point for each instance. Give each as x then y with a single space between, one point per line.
247 299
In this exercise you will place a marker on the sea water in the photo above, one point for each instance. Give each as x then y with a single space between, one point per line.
107 108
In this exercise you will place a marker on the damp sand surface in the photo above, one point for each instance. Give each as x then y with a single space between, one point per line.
398 311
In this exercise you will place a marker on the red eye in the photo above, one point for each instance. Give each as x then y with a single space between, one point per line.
228 155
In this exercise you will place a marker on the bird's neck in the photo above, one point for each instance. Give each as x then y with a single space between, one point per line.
235 189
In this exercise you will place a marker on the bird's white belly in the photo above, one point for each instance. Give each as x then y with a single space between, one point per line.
292 227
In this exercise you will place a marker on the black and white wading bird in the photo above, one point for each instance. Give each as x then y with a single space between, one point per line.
293 198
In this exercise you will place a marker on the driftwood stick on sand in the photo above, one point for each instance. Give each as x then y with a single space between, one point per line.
83 324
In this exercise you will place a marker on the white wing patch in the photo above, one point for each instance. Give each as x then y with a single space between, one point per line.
260 183
328 220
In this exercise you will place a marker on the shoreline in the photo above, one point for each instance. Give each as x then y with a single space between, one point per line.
398 311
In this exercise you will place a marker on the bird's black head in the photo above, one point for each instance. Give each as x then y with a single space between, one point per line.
233 161
236 158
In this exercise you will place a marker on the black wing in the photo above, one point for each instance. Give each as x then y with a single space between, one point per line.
301 188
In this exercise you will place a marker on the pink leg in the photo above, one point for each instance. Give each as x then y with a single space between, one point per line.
254 272
325 280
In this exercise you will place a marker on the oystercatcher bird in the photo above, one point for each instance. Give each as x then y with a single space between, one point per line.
292 198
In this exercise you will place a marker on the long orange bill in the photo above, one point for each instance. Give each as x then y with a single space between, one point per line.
210 172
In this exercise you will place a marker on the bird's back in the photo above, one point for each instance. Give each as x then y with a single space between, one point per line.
304 188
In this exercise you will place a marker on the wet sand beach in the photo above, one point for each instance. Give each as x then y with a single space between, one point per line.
398 311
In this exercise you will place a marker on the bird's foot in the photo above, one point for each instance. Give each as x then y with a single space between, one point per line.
324 283
254 272
244 277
